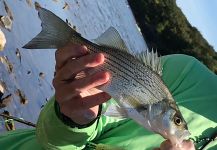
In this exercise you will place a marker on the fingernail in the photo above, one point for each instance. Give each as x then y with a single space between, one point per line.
84 49
104 76
100 58
107 76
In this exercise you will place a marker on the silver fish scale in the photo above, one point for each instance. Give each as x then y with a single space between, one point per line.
145 79
130 77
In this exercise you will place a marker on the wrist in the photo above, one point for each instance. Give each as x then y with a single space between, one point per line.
76 121
84 116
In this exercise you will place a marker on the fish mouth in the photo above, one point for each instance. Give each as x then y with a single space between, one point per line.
179 136
182 134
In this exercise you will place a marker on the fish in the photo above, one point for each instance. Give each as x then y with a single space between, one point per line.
136 79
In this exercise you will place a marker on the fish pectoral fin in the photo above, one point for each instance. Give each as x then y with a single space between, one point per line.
111 38
115 111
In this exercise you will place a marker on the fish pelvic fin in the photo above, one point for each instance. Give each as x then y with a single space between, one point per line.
55 32
115 111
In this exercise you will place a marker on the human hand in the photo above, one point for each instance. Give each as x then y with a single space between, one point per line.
78 98
185 145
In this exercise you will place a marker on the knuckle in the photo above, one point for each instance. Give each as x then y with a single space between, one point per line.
72 65
66 71
80 61
57 54
54 82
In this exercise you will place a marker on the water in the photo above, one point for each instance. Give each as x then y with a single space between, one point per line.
91 18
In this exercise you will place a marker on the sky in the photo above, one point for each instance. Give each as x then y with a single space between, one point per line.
202 14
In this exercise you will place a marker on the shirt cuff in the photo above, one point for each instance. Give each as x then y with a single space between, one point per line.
69 122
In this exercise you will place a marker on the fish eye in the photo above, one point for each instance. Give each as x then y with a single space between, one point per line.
177 121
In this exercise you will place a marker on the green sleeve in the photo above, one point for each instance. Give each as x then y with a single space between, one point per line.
53 133
21 139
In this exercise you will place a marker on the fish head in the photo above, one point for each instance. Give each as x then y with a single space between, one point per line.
175 126
170 123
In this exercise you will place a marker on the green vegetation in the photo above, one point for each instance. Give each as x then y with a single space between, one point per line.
166 29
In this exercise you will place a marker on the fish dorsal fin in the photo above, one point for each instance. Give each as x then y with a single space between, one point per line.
151 60
111 38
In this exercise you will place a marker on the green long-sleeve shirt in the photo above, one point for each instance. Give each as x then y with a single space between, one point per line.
193 86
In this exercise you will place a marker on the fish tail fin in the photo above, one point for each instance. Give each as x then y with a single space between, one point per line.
55 32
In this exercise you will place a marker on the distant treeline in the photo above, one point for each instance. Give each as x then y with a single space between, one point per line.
166 29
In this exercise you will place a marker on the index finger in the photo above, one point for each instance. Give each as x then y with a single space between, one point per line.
70 51
84 103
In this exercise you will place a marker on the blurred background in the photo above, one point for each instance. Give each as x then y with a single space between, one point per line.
182 26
